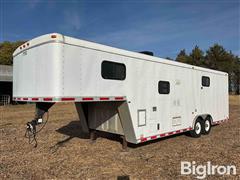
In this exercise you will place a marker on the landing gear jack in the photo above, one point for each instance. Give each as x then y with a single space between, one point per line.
93 136
124 143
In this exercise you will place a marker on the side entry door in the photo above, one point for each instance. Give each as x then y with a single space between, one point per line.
205 93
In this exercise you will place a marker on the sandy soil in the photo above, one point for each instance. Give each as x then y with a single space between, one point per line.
63 152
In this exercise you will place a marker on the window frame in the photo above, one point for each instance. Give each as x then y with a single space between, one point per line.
116 63
159 87
203 82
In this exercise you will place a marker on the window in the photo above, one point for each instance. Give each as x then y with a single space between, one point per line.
163 87
205 81
113 70
141 117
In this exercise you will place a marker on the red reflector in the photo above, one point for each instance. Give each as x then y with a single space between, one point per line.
68 99
87 99
143 139
178 131
153 137
25 98
47 99
34 99
162 135
53 36
119 98
104 98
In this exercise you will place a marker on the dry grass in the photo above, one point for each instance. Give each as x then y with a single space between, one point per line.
64 152
234 99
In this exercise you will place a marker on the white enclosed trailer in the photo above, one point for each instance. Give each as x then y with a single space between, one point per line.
135 95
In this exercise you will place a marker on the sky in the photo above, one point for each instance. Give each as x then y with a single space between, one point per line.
161 26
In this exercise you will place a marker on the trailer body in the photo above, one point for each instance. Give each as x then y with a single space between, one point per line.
139 96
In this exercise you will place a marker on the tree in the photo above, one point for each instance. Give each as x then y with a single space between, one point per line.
236 72
215 56
220 59
183 57
6 51
197 57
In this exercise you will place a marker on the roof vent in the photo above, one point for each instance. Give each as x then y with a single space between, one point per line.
147 53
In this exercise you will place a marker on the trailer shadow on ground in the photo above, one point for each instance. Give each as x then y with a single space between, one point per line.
74 130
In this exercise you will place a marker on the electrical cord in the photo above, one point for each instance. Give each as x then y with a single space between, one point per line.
31 131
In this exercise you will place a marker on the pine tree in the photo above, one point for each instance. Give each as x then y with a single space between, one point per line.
197 56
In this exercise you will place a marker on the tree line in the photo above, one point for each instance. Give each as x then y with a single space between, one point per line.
6 50
216 57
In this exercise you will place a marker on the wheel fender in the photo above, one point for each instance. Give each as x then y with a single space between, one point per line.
211 119
196 117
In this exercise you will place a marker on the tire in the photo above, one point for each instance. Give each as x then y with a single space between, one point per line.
197 130
206 126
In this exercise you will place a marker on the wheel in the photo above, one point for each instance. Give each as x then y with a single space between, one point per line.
196 132
206 126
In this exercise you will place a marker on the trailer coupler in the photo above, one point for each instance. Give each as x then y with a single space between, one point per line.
31 130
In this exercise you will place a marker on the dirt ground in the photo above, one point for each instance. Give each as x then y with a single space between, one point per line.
63 152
